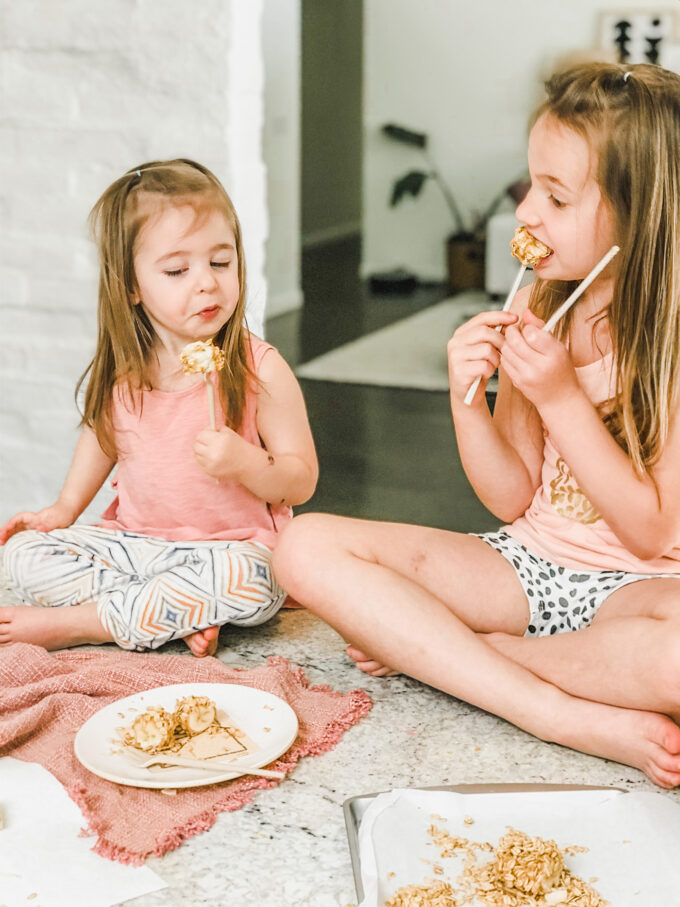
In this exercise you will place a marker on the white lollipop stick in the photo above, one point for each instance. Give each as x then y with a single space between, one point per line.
581 288
472 390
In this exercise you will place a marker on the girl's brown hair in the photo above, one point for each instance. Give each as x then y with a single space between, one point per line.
632 123
125 339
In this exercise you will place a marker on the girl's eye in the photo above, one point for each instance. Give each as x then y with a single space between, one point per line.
220 264
175 273
556 202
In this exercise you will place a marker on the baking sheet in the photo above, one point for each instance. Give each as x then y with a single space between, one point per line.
632 837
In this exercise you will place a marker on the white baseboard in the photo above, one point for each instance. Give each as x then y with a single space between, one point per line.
280 303
331 234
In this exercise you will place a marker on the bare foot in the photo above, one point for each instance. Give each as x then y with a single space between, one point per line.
52 628
203 642
369 665
646 740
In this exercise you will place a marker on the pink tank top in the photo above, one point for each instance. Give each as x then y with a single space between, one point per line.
561 524
161 489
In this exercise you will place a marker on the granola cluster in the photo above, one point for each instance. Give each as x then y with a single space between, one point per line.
524 871
527 248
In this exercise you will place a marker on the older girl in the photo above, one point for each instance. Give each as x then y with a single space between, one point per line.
565 622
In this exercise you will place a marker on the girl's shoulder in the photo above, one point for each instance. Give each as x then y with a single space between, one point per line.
521 299
257 350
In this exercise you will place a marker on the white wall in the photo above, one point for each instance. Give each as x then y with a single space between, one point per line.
281 151
469 74
88 90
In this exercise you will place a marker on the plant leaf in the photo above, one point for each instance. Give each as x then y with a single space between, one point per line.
407 136
409 184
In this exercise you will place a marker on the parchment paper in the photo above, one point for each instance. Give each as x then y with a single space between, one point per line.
633 838
43 859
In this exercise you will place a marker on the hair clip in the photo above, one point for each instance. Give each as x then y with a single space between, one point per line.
626 76
139 172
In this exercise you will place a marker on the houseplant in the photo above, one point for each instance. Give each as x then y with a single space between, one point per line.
465 245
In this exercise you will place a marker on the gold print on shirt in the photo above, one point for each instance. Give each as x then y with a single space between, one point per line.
568 499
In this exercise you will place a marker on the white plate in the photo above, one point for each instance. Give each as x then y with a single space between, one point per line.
269 721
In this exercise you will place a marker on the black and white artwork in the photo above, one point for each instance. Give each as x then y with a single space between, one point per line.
639 36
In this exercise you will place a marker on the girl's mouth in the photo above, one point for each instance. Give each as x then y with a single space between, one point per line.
209 313
543 261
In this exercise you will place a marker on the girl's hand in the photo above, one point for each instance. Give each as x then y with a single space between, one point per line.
57 516
222 454
537 364
474 350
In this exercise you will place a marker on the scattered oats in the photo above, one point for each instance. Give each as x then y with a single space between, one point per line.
423 860
468 820
169 791
266 729
32 896
594 879
440 894
269 708
438 870
574 848
437 818
625 842
391 875
476 749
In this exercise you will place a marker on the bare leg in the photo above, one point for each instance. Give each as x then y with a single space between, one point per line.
52 628
373 583
628 656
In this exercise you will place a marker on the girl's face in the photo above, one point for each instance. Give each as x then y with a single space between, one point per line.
186 268
564 207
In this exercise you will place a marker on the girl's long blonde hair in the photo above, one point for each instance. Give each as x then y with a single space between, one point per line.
124 351
632 123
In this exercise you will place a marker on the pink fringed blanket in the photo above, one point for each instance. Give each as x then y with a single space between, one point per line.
45 698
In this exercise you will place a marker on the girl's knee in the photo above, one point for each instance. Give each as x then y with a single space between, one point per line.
300 545
18 557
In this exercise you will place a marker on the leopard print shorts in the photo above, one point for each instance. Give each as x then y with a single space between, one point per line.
560 598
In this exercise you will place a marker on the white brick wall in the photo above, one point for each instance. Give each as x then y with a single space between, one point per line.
88 90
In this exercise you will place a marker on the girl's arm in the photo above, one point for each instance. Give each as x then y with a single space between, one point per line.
285 470
501 456
89 468
642 511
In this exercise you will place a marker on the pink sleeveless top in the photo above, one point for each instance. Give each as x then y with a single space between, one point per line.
161 489
561 524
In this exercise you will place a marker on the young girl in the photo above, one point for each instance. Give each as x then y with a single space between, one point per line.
186 545
581 460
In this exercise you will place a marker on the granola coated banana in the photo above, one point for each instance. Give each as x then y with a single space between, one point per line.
527 248
201 357
194 714
152 731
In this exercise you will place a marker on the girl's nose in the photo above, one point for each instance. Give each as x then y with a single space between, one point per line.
207 280
525 212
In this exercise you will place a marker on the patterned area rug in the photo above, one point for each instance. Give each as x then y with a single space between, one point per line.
409 353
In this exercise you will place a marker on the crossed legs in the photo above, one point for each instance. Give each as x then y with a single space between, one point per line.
137 591
420 600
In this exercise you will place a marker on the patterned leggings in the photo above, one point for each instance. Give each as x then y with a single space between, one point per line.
148 591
